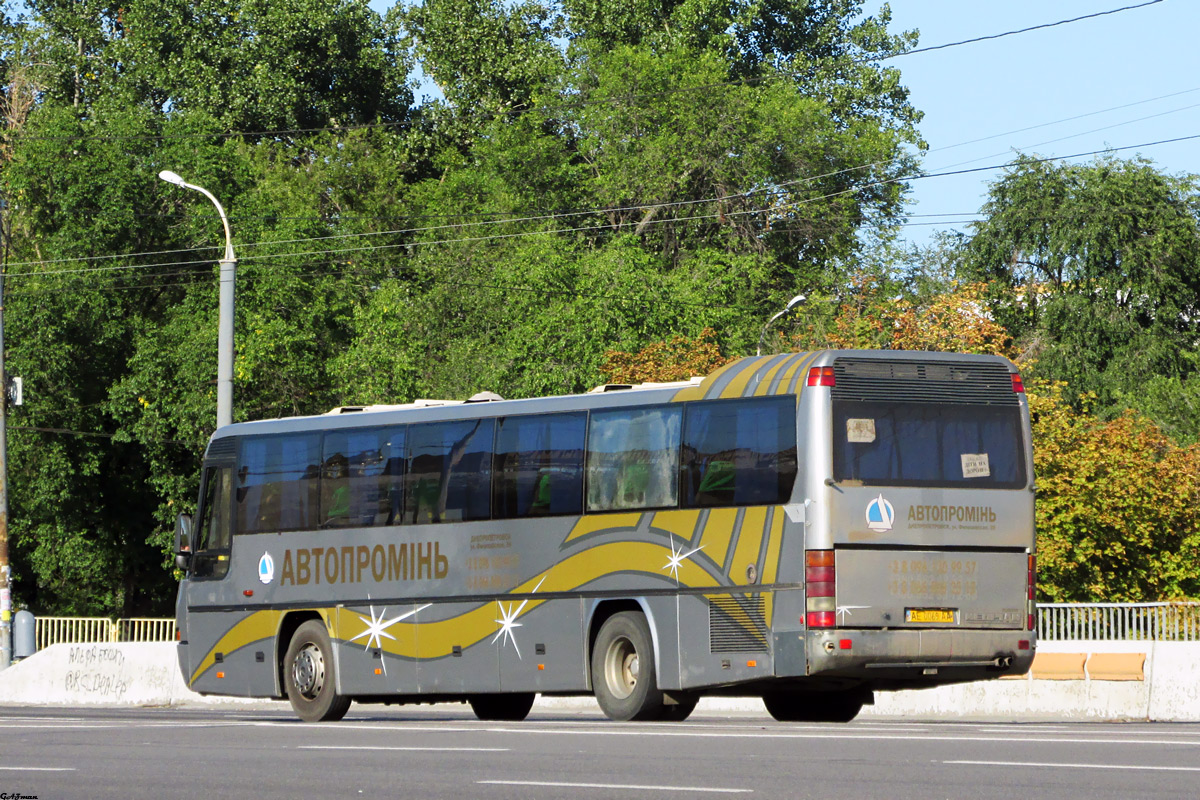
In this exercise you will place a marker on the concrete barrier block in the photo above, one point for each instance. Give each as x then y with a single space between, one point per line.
1116 666
91 674
1173 681
1058 666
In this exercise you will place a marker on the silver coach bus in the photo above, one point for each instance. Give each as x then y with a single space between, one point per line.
807 528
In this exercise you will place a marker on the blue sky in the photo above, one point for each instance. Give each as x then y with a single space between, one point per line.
1111 81
994 88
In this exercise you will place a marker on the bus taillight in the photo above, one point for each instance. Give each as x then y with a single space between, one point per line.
821 376
820 586
1018 384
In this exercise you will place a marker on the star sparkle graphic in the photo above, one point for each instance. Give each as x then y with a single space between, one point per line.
508 620
846 611
377 627
678 557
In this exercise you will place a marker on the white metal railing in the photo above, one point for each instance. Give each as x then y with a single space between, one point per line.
1164 622
1055 621
84 630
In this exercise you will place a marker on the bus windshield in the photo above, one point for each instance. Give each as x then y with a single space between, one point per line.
928 444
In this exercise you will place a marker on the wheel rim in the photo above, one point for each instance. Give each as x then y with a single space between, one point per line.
621 668
308 671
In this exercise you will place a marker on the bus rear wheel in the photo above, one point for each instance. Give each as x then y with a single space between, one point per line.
814 706
309 677
501 707
623 676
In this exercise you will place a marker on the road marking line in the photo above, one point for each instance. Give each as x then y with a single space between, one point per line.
636 787
764 734
128 725
1073 766
38 769
429 749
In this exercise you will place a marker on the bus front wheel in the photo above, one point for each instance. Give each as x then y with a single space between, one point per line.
309 678
623 676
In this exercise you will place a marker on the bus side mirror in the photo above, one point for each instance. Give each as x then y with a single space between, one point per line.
183 541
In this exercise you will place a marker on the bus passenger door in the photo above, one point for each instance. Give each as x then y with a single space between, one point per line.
207 583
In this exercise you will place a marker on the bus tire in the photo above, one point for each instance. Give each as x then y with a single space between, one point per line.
309 677
814 706
623 678
502 707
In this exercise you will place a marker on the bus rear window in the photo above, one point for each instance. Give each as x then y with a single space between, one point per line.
928 444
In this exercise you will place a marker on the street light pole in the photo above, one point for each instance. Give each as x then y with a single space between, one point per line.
225 307
795 301
5 570
6 603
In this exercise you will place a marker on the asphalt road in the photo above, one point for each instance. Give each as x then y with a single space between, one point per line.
440 753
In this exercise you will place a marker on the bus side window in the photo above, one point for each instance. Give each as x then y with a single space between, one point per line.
739 452
357 487
213 531
633 459
278 479
450 471
538 465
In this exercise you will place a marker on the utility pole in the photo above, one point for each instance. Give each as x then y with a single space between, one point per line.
5 590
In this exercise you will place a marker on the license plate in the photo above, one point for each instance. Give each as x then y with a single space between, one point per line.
929 615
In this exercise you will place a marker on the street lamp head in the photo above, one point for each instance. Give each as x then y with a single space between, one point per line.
171 177
795 301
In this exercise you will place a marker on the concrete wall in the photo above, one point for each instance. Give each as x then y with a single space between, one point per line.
1166 687
1169 689
134 674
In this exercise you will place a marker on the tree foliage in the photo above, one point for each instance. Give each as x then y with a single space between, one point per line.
1100 269
1118 506
591 179
627 190
677 359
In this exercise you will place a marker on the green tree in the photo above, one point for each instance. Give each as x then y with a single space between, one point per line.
581 188
118 354
251 64
1100 265
1118 510
81 505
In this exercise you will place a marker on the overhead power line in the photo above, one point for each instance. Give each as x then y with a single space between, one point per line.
576 229
1022 30
400 124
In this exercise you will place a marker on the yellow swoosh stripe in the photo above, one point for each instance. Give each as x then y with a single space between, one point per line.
764 385
437 639
677 523
701 391
603 522
771 563
749 543
256 627
737 386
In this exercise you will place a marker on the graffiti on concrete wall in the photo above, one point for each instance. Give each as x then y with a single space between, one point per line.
97 670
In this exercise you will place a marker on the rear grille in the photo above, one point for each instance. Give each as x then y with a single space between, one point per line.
902 381
736 625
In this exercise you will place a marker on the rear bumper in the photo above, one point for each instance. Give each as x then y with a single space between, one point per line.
894 658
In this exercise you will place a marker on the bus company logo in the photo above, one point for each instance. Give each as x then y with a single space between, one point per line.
266 568
880 514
